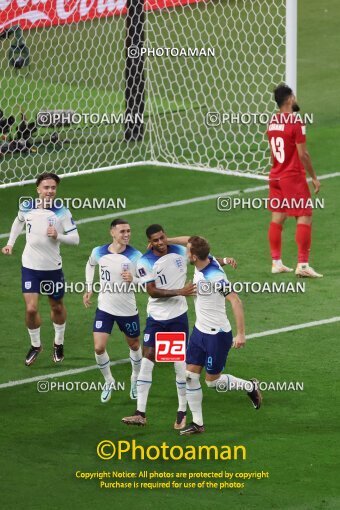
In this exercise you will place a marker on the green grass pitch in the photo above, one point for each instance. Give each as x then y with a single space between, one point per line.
47 437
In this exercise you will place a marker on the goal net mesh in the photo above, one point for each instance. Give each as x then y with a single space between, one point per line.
207 66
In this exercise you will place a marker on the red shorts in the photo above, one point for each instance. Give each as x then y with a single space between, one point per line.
290 195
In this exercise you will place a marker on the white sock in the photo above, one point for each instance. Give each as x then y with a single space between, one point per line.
35 336
180 371
144 382
59 333
194 397
136 361
278 262
103 362
231 382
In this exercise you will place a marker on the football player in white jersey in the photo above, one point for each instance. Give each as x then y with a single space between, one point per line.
163 268
48 223
117 265
211 338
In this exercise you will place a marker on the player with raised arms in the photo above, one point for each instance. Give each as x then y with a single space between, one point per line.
288 188
163 268
117 265
211 338
48 223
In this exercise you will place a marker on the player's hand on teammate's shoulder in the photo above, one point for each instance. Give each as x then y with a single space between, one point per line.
127 276
52 232
87 299
188 290
239 341
230 262
316 185
7 250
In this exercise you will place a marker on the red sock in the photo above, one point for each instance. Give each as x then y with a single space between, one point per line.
303 239
274 236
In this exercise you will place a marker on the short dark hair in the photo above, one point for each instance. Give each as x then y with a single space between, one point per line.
199 247
47 175
282 93
118 221
153 229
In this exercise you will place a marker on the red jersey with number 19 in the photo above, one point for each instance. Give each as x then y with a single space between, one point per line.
284 131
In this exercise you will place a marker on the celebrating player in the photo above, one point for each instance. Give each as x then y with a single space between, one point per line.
48 224
163 268
211 338
288 188
117 264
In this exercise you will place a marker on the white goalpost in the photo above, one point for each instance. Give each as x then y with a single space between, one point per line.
291 44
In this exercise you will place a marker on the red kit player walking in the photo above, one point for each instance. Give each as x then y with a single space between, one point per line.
288 188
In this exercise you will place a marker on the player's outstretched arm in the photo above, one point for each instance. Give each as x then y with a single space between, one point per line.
183 240
72 239
16 229
237 306
227 261
188 290
89 277
307 164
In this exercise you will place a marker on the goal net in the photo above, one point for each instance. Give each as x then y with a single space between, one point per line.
205 72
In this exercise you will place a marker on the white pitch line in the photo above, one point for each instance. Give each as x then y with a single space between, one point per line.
178 203
123 361
59 374
203 198
164 206
136 164
293 328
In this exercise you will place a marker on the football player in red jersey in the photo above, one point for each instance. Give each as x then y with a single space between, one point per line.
289 193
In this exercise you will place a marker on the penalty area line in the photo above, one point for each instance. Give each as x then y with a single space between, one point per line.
167 205
74 371
178 203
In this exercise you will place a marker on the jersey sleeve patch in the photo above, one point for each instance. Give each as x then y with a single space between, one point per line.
224 287
145 269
